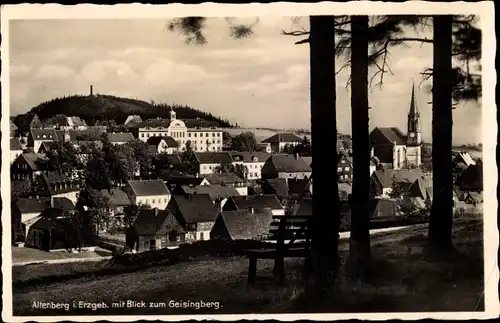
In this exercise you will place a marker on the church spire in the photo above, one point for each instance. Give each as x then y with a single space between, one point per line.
414 136
413 105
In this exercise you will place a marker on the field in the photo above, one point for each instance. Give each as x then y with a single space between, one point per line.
23 255
404 282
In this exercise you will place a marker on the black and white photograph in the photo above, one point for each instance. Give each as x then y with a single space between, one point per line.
160 161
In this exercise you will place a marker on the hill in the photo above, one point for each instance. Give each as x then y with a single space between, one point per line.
108 107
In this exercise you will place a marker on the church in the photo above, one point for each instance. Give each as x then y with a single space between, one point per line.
393 148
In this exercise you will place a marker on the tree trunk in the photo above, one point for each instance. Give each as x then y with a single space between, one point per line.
441 218
325 201
359 244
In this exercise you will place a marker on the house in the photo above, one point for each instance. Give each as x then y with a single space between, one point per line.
464 158
218 194
54 184
208 162
471 179
89 134
37 136
13 129
74 123
286 166
119 138
344 169
474 198
381 181
27 166
154 229
299 188
191 181
59 229
132 120
151 192
33 121
228 179
15 149
265 147
162 145
307 160
253 161
249 202
393 148
280 140
276 186
196 213
117 200
47 146
242 224
381 208
25 212
304 208
420 188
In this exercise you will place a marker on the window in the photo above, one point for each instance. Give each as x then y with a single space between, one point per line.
154 200
218 134
146 201
165 200
339 169
202 236
195 134
142 135
189 134
213 141
206 134
341 176
213 134
346 169
218 141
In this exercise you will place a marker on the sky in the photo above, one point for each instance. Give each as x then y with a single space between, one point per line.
260 81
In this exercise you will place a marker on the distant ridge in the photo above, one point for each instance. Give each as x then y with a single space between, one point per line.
108 107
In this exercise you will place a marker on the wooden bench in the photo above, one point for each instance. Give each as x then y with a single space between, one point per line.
292 237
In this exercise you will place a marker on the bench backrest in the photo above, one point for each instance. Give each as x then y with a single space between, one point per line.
290 231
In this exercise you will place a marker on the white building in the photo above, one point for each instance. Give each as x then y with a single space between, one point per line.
151 192
253 161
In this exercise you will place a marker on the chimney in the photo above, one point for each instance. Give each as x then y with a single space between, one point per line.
155 210
91 90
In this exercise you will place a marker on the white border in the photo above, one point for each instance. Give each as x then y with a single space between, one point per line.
484 9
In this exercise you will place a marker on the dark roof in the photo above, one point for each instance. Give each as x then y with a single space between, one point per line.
12 126
116 196
282 137
201 123
195 208
44 134
213 157
50 217
153 123
298 186
249 157
400 175
31 159
15 144
386 207
26 205
74 135
307 160
346 187
223 178
63 203
156 140
184 180
174 159
393 134
289 164
277 186
471 178
120 137
257 201
47 145
244 224
304 208
215 191
154 221
149 187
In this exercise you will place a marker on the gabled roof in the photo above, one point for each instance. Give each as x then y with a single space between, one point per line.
195 208
392 134
250 157
244 224
63 203
31 159
44 134
277 186
282 137
155 222
185 180
471 178
153 123
47 145
386 176
29 205
155 141
76 122
120 137
215 191
307 160
213 157
386 207
288 164
465 157
223 178
76 135
15 144
49 217
116 196
132 120
13 127
257 202
149 187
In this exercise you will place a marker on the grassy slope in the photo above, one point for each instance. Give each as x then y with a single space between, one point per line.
404 282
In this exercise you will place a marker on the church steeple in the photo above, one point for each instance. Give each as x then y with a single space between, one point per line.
414 136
